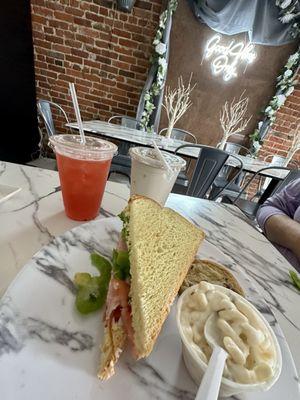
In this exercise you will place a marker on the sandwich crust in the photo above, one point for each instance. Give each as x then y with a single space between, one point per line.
114 340
212 272
163 245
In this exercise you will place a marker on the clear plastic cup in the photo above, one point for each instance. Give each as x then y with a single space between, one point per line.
148 175
83 172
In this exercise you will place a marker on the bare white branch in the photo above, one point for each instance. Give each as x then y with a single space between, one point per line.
177 102
232 118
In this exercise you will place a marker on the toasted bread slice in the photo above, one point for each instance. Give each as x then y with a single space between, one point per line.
212 272
162 246
113 344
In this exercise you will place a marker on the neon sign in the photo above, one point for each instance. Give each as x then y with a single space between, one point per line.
227 58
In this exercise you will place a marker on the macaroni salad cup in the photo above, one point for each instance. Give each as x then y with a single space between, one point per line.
254 362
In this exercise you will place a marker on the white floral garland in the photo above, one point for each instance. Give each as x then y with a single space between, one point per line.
285 84
286 81
159 58
289 11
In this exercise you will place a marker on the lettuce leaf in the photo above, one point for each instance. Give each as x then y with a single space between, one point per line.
121 264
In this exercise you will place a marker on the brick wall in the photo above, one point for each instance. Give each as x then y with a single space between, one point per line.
105 52
280 136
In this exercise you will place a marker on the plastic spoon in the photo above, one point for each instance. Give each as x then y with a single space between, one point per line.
210 384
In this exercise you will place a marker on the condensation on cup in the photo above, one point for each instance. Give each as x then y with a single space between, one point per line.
148 175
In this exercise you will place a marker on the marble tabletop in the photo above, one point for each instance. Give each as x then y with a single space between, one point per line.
135 136
35 215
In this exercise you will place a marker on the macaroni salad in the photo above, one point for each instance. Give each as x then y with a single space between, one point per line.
242 333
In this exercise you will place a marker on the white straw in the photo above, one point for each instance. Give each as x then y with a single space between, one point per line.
77 111
162 158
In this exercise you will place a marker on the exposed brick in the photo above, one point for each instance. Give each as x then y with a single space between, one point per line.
58 24
75 11
279 138
127 74
143 4
127 43
74 59
104 51
63 16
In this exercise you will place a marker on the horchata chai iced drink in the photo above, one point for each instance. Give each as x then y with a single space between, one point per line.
149 177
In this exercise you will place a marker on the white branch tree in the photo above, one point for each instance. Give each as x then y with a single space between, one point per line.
232 118
177 102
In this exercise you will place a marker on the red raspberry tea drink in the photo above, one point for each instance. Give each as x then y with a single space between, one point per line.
83 171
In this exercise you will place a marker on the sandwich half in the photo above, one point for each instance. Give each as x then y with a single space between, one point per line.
161 246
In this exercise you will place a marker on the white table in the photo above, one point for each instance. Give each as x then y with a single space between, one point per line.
134 136
35 215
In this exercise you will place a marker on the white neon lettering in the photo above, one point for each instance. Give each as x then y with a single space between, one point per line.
226 59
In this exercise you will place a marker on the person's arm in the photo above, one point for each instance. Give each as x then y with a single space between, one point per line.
284 231
275 217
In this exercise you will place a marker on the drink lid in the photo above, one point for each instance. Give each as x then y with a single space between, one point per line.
148 156
93 149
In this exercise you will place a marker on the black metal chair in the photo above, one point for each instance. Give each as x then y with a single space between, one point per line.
224 176
293 174
249 207
277 161
236 148
209 163
121 163
44 108
127 121
180 134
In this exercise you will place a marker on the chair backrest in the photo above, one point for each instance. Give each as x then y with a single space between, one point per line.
208 165
257 173
129 122
293 174
276 160
44 110
235 148
232 148
280 161
180 134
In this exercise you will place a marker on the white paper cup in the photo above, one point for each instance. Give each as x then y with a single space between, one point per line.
197 367
148 175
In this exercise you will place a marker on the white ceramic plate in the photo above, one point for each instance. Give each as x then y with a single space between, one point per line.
7 192
48 351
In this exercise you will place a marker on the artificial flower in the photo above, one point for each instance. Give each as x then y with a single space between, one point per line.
160 48
280 99
285 4
288 73
289 91
163 63
256 145
285 19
